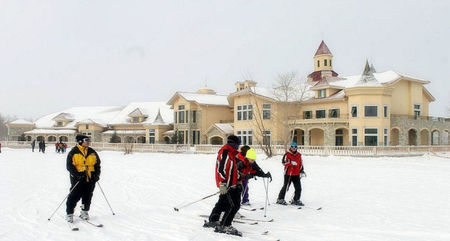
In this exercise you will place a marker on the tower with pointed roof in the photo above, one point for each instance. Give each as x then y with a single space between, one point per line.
323 64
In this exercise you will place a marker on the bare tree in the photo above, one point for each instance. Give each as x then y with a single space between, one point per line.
289 91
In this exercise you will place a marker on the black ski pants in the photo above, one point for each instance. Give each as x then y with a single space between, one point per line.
287 182
228 203
84 191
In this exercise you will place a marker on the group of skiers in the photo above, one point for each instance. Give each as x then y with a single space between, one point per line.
234 168
41 145
60 147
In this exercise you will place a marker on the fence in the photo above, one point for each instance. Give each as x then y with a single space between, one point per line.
277 149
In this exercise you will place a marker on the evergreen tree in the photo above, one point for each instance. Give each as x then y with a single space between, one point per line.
114 138
174 138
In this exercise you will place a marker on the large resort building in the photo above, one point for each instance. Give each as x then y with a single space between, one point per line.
369 109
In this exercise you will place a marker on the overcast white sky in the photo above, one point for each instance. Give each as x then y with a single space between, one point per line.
60 54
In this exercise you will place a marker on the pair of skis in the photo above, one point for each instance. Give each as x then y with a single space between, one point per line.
73 227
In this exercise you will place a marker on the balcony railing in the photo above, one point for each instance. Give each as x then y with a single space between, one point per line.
314 119
415 117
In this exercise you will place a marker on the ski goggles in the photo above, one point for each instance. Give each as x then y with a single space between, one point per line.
294 147
87 140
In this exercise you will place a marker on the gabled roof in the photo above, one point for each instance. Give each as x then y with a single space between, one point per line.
271 94
137 113
224 128
323 49
63 116
149 109
200 98
92 122
317 75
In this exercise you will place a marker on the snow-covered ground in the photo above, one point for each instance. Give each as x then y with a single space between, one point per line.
362 198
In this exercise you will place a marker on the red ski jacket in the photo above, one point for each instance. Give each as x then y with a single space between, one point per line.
289 167
226 167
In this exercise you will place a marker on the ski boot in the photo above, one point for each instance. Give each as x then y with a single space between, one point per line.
84 215
281 202
297 203
211 224
69 218
228 230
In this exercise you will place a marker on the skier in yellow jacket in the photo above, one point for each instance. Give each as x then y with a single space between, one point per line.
83 164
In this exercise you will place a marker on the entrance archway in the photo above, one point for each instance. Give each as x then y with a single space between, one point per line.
216 140
51 138
412 137
299 137
435 137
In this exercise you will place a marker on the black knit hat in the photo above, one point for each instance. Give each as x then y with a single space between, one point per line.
233 140
81 138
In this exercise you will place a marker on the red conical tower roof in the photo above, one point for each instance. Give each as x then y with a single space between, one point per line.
323 49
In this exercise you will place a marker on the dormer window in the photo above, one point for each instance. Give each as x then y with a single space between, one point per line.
322 93
135 120
59 123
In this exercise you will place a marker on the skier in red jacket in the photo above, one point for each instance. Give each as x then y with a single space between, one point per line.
227 180
293 170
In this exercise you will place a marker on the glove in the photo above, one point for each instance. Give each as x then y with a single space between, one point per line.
302 174
80 176
223 188
94 178
268 175
294 163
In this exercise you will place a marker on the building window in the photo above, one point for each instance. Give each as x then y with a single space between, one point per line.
354 111
370 136
385 111
181 117
325 62
322 94
175 116
330 62
318 63
339 139
307 114
266 109
385 137
187 116
194 116
320 114
244 112
135 119
354 137
246 137
334 113
181 114
195 137
416 110
151 136
59 123
371 111
266 138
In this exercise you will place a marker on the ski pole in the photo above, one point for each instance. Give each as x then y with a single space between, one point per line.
267 196
71 190
203 198
101 189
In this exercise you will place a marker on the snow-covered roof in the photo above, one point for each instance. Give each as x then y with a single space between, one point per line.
203 98
386 77
100 114
93 121
50 131
226 128
276 95
149 109
125 132
21 122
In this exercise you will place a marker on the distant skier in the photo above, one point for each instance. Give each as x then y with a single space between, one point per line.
83 164
293 170
0 147
230 190
33 144
248 168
